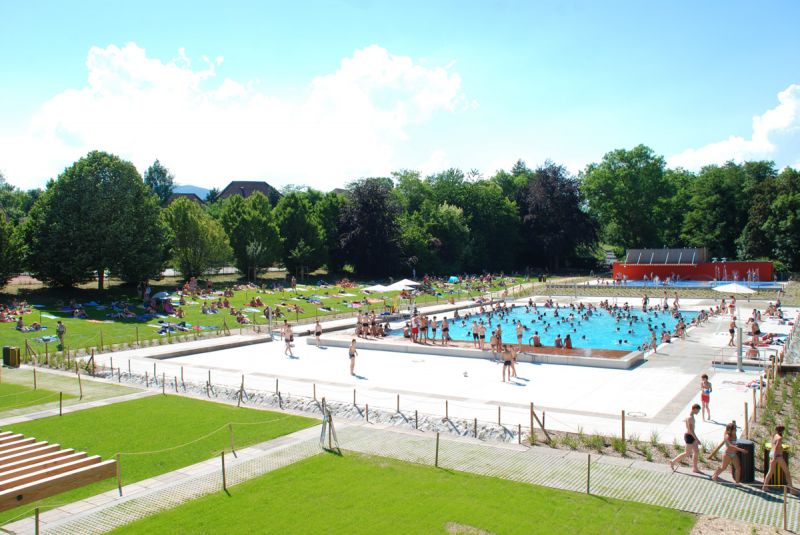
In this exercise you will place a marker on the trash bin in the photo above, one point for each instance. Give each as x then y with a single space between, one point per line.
747 460
15 357
778 477
6 355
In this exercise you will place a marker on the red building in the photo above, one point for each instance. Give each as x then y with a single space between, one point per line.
687 264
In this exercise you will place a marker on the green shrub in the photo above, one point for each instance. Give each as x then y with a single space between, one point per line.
619 445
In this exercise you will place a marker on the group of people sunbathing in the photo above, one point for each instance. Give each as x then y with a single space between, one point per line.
9 313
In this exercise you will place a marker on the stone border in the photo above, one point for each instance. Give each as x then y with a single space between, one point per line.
627 362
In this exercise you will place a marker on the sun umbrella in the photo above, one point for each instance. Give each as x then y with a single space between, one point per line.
734 288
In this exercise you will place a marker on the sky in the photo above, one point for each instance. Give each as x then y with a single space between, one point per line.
321 93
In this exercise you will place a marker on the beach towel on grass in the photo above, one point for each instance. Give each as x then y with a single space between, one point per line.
45 339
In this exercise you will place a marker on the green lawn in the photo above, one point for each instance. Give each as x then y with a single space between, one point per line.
86 333
14 396
153 423
359 494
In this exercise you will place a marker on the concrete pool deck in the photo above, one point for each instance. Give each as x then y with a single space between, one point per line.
656 394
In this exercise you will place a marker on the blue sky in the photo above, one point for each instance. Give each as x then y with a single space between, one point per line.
323 92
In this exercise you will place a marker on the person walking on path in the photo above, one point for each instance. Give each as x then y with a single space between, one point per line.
777 460
353 353
61 330
691 440
730 457
705 395
732 331
317 332
288 338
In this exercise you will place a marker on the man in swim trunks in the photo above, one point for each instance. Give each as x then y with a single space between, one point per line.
475 334
352 353
705 395
481 334
691 441
519 335
732 331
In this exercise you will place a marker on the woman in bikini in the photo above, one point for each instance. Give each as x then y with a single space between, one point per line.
776 459
731 458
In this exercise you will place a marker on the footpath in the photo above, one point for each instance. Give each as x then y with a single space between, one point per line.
611 477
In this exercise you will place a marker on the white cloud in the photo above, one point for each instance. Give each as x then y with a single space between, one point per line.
775 136
209 130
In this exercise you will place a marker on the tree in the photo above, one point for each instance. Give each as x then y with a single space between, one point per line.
493 222
759 195
97 216
9 251
252 232
160 181
297 222
370 229
554 223
14 202
713 217
410 191
328 212
782 226
198 242
212 195
675 206
627 193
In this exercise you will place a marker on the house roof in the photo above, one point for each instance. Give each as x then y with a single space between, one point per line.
246 187
191 196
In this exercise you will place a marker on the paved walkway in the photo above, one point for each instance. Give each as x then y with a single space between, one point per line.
613 477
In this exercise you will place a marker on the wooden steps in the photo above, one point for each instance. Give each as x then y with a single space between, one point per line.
31 470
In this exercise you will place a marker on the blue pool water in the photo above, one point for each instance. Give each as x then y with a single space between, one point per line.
601 331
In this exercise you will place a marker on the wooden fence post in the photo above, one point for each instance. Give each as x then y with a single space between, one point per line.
366 412
755 412
80 384
60 403
436 460
623 426
398 402
230 433
588 471
446 410
163 384
416 419
498 416
34 378
36 521
224 482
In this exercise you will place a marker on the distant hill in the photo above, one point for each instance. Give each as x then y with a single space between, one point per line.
197 190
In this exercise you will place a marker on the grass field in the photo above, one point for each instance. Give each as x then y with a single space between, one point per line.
86 333
360 494
151 424
14 396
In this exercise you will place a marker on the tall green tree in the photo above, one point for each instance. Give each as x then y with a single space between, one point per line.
782 226
627 193
298 222
493 223
160 181
370 228
675 206
252 232
554 223
9 251
197 241
16 203
760 192
97 216
714 218
328 211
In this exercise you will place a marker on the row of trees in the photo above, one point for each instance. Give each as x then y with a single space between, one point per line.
101 216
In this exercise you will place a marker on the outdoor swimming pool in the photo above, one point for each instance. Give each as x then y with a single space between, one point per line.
602 330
